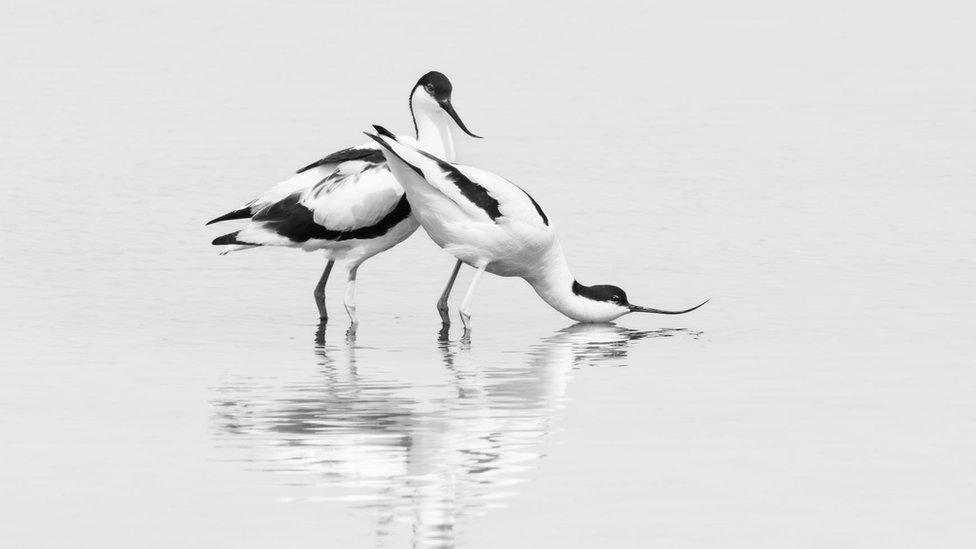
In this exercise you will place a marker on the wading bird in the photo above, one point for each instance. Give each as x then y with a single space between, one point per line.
493 225
348 204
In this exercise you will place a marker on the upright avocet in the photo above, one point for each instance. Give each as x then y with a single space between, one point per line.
493 225
348 203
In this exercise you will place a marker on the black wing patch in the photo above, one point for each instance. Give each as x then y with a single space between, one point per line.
469 189
538 208
242 213
227 239
368 155
292 220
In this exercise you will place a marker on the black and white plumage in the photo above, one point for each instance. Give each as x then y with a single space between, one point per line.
493 225
348 204
353 201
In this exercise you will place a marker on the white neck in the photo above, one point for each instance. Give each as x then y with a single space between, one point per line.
433 126
554 285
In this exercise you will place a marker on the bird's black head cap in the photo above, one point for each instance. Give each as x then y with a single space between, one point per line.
437 85
602 292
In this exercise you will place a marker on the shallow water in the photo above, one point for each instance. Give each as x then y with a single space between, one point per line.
811 171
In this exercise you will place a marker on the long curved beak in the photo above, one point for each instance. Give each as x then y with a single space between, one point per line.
446 105
638 309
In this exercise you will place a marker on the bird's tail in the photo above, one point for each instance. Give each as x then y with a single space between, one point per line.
228 239
243 213
234 242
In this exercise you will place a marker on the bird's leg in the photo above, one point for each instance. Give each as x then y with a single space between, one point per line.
320 334
466 304
350 301
319 292
442 302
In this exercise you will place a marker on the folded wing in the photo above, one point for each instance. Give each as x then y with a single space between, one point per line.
328 202
482 194
345 160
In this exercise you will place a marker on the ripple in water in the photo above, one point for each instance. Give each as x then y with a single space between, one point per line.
412 452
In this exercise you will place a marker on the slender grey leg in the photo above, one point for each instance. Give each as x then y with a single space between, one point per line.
350 301
442 302
319 292
466 304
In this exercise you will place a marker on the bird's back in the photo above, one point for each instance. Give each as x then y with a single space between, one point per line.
344 198
476 215
513 202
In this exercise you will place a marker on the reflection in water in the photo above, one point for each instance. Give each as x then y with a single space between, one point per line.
415 453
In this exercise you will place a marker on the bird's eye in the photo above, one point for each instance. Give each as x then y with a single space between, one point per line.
430 88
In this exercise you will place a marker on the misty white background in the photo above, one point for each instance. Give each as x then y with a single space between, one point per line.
809 168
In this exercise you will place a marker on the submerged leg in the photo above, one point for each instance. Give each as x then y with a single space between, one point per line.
350 301
466 304
442 302
319 292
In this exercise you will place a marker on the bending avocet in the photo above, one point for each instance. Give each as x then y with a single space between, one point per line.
348 203
493 225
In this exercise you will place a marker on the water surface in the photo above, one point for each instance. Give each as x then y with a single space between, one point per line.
810 170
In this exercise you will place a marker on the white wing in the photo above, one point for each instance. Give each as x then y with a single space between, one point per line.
354 196
343 195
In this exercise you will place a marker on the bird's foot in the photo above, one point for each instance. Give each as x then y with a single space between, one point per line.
351 311
444 312
466 320
320 333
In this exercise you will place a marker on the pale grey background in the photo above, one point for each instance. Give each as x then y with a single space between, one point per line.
809 168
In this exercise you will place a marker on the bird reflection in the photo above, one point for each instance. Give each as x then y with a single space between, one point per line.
420 456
